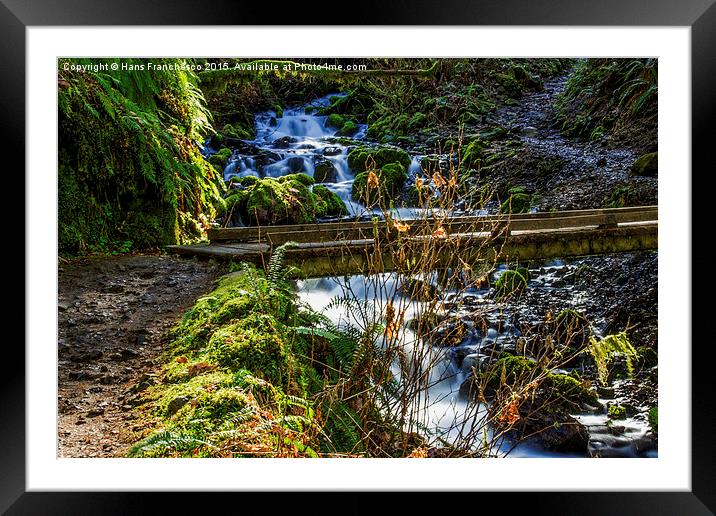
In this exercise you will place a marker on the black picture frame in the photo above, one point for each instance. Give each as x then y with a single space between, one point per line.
699 15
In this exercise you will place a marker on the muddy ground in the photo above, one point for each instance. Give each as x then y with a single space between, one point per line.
113 316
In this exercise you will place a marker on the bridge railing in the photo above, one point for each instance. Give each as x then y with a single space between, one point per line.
498 225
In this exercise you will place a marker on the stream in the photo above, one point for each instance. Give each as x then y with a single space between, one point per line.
300 141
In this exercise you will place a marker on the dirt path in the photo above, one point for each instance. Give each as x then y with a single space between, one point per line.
113 315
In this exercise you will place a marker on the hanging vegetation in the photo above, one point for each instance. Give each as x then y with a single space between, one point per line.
130 170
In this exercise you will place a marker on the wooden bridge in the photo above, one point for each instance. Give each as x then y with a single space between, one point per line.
340 248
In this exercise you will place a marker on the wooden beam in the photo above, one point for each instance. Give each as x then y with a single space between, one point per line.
333 230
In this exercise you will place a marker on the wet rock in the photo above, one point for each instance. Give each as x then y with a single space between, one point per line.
284 143
552 427
332 151
325 171
448 333
296 164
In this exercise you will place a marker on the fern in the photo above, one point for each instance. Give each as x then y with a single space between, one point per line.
276 272
604 350
166 440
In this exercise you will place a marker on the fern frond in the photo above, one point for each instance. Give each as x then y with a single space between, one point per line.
604 350
166 440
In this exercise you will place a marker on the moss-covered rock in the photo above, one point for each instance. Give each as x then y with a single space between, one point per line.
510 282
335 120
570 392
617 411
328 204
390 180
220 158
289 199
516 203
473 154
349 129
364 158
571 328
646 165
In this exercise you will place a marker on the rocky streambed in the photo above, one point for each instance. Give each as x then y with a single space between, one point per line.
476 328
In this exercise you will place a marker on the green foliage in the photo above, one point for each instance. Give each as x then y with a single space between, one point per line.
241 376
129 167
341 429
604 95
161 442
473 154
604 350
621 196
276 271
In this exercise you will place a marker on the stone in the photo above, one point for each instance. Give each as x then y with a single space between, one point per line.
324 171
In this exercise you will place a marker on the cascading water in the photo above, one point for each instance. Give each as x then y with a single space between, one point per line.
298 142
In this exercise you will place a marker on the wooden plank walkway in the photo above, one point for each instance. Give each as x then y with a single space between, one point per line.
350 247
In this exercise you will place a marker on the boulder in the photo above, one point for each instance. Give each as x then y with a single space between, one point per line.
647 165
324 171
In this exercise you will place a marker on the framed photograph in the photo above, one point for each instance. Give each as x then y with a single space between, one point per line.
442 253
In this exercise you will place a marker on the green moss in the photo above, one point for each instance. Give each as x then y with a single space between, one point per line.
303 179
279 110
511 368
510 282
286 200
329 204
570 390
349 129
646 165
364 158
391 179
335 120
254 343
220 158
616 412
516 203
